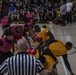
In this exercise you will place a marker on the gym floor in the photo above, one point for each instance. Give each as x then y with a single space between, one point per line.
64 33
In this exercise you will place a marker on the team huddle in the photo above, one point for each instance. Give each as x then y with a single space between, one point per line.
48 48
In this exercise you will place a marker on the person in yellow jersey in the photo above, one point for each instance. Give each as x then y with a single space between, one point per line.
47 62
58 48
58 13
46 33
58 17
44 36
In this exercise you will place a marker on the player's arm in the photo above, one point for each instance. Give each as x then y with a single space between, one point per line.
40 43
26 37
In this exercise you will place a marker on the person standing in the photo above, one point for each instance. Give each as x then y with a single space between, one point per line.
22 63
69 6
63 11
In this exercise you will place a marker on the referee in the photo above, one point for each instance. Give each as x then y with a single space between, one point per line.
22 63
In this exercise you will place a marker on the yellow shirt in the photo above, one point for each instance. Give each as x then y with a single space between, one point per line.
58 48
49 62
58 13
43 35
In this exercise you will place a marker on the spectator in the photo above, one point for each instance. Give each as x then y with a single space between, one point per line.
35 17
55 6
69 6
49 15
55 1
58 13
38 2
58 16
45 5
63 11
28 16
19 2
50 7
33 2
42 15
13 1
5 22
54 14
22 63
74 14
11 9
15 14
74 11
24 10
41 6
18 7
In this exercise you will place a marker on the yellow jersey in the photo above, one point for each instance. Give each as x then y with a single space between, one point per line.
43 34
49 62
58 48
58 13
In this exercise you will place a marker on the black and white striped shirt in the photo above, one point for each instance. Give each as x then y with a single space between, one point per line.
21 64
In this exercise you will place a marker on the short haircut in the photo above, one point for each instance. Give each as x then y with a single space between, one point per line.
69 44
37 28
44 26
8 33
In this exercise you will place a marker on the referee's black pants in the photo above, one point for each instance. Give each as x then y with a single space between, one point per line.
4 56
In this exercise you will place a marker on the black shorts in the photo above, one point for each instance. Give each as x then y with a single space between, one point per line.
47 51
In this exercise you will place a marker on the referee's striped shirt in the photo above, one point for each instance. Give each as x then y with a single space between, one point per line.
21 64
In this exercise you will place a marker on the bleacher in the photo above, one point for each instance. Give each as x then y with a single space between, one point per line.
4 9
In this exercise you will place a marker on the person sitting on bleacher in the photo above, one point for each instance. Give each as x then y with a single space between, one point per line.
5 22
11 9
15 14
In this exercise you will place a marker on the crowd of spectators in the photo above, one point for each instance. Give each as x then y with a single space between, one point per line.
43 10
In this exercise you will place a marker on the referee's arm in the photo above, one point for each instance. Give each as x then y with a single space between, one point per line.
3 67
40 69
